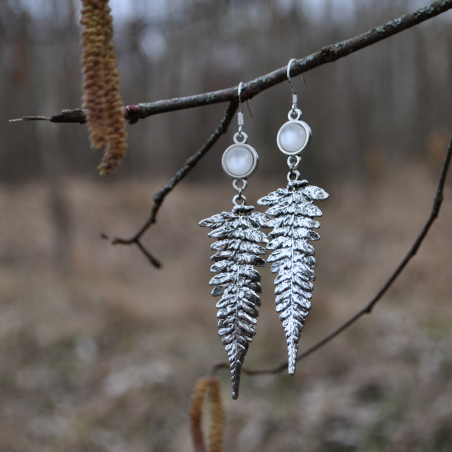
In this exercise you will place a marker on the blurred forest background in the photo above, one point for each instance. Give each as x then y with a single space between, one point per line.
92 354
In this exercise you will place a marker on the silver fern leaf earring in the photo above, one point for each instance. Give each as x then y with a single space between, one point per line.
238 250
292 211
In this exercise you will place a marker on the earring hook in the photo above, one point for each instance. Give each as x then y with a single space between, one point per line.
294 94
240 118
289 79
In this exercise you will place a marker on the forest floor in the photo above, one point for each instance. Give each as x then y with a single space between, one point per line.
99 351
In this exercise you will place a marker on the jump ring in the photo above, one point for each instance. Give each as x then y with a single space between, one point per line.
236 197
291 112
236 187
240 134
295 173
293 164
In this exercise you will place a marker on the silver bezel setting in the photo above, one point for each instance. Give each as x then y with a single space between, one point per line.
253 153
305 144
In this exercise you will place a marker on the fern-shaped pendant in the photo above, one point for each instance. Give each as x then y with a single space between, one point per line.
237 251
293 210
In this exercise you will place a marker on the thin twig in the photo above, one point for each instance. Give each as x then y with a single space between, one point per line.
196 413
437 201
32 118
78 115
163 192
250 89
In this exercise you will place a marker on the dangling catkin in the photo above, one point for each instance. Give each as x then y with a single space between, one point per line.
93 43
101 85
197 402
217 416
116 135
217 421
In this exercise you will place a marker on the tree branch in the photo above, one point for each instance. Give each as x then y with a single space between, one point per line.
367 309
163 192
250 89
327 54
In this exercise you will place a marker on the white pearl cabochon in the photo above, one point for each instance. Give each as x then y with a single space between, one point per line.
239 160
292 137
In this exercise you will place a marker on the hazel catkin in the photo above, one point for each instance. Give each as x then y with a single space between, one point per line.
101 97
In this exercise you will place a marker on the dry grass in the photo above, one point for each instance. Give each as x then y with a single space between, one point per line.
104 358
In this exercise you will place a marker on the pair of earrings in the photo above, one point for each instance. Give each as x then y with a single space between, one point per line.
241 244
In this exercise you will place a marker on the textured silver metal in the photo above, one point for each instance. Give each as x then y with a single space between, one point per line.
308 135
292 258
238 251
240 145
240 118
